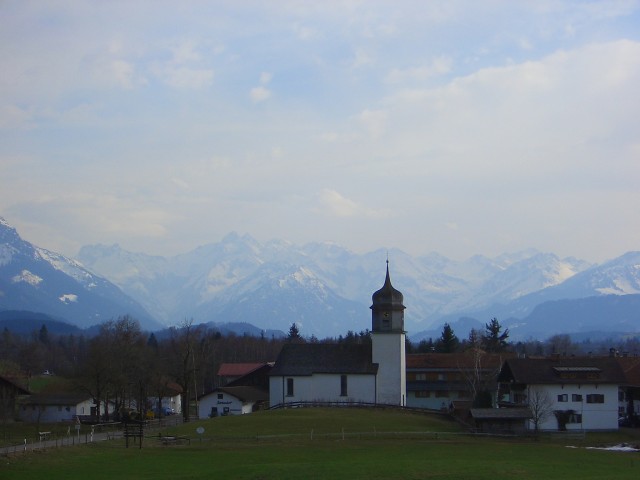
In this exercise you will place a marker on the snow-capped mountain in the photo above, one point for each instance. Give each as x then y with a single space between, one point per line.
323 287
326 288
38 280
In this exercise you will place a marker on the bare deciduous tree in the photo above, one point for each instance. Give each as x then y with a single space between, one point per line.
541 406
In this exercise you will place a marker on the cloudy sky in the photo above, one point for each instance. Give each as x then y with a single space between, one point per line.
460 127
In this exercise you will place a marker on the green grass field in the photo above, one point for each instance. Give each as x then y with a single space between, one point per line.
330 443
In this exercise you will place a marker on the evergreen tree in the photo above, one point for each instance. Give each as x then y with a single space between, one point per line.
294 333
43 335
475 338
494 340
448 342
152 342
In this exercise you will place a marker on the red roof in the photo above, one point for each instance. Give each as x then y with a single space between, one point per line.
238 369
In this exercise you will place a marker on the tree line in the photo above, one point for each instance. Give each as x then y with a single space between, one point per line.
128 366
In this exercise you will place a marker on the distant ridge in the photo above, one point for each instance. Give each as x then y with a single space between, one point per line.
20 321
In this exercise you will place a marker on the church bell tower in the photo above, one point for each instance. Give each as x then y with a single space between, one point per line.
388 344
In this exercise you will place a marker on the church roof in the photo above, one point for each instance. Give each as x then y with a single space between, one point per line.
309 358
387 295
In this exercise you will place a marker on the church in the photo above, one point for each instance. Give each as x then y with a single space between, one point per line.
372 373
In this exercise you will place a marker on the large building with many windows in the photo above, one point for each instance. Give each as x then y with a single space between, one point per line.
446 381
564 393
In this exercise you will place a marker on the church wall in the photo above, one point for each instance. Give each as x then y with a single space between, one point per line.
322 388
388 351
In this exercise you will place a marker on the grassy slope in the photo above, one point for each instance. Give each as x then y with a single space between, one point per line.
229 449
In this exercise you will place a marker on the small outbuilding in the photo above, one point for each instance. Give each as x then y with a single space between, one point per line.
500 420
231 401
56 408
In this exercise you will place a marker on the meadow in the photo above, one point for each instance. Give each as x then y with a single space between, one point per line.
332 443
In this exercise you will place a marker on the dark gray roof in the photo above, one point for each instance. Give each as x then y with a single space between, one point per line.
501 413
14 385
245 394
308 358
63 399
562 370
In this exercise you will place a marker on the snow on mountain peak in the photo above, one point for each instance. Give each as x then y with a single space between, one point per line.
6 254
27 277
69 298
73 268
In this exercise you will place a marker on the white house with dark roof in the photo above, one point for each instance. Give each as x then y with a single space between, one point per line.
372 373
56 407
577 393
237 400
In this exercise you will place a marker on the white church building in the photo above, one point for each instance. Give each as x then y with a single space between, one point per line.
372 373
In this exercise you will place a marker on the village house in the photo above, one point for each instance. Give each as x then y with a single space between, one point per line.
10 391
50 408
564 393
243 389
372 373
237 400
442 381
629 394
169 402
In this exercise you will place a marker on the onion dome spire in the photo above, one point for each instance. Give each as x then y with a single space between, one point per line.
387 295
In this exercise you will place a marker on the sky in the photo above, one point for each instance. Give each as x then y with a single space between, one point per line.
457 127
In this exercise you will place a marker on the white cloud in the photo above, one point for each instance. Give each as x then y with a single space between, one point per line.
13 116
361 59
438 66
374 121
185 52
304 32
335 204
184 77
123 73
265 77
180 183
259 94
478 112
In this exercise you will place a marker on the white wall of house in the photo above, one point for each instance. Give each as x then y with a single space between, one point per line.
223 403
55 413
388 351
173 403
595 415
322 388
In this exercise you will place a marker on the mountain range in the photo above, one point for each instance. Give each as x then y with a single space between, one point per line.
37 280
322 287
